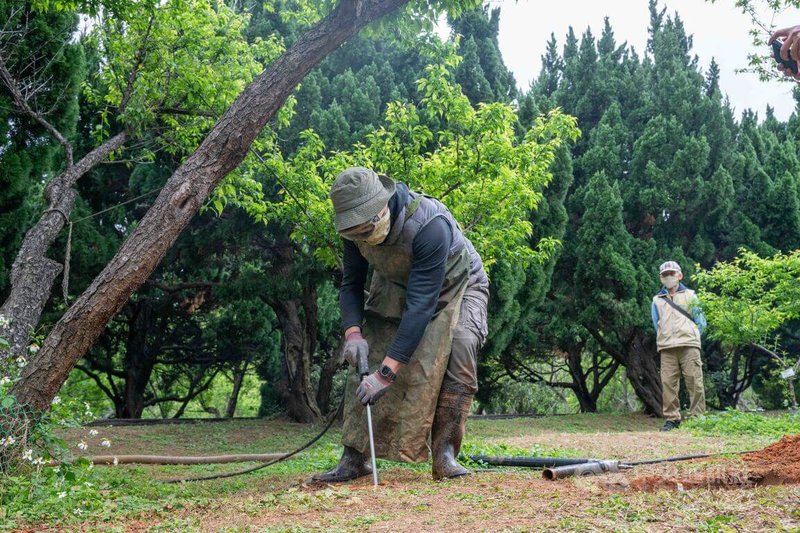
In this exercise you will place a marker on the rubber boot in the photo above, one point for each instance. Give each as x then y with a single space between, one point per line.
452 409
352 465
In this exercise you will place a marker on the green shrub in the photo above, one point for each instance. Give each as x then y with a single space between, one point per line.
733 422
31 489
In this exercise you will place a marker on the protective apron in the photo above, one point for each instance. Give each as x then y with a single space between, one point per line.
403 417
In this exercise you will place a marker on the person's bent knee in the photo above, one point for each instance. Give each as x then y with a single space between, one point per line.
463 364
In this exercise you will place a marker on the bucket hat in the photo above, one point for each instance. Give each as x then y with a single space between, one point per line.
358 194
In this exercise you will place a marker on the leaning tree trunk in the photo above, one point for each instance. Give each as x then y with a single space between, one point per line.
221 151
638 356
639 360
33 273
238 379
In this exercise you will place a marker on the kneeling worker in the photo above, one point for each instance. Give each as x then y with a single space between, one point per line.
421 326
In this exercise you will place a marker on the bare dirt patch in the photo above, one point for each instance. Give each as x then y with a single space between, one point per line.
777 464
644 444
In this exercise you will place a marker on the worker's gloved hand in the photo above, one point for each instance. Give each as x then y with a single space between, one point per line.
372 388
356 352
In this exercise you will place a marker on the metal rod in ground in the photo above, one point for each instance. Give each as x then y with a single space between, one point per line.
372 447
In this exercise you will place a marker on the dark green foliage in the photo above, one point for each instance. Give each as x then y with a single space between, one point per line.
662 171
482 74
37 48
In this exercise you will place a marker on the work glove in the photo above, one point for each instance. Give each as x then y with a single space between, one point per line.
372 388
356 352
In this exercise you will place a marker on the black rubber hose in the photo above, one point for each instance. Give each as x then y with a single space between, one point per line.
270 463
684 458
552 462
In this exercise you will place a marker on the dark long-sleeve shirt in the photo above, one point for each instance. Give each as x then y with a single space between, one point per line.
430 250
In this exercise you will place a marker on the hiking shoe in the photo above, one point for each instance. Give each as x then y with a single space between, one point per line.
669 425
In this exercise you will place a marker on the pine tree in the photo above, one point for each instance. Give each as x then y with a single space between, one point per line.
470 74
479 29
30 154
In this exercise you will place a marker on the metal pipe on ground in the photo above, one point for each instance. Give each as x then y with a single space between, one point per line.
586 469
563 467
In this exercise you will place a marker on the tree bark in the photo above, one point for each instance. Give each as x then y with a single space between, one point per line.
238 378
643 371
638 356
586 400
140 358
33 273
325 387
221 151
298 339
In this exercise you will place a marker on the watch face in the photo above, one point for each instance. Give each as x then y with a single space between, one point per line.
387 372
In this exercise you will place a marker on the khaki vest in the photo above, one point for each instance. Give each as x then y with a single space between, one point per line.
391 261
674 329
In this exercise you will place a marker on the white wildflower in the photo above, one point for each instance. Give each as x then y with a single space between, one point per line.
27 455
106 443
5 380
116 461
21 361
33 348
87 409
92 432
39 461
8 441
4 321
91 465
56 400
62 495
77 512
82 445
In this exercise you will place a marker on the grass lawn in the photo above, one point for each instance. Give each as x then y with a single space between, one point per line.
279 499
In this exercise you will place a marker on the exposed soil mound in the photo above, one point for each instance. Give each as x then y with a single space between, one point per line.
777 464
785 451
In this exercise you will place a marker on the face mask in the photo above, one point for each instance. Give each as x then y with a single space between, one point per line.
670 282
381 230
373 232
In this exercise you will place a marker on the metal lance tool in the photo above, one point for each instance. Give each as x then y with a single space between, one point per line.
372 447
371 437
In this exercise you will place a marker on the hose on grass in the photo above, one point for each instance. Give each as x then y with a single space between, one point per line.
268 463
561 467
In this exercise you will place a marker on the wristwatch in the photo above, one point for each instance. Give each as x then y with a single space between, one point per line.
387 373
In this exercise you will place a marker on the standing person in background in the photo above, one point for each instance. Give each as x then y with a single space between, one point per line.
679 323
